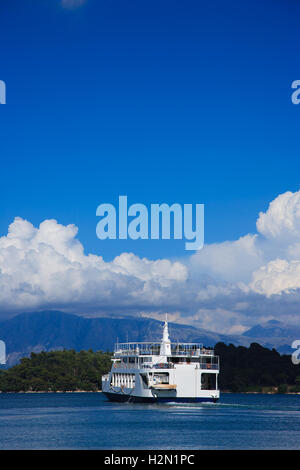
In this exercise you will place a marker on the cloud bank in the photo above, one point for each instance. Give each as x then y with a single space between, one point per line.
224 287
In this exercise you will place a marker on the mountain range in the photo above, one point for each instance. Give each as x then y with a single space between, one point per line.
55 330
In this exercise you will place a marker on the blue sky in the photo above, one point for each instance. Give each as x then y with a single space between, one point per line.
186 102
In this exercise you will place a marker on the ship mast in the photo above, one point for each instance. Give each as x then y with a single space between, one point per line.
165 345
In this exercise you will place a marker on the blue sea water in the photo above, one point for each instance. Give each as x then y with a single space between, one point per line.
89 421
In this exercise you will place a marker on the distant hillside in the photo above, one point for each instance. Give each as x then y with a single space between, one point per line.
275 334
54 330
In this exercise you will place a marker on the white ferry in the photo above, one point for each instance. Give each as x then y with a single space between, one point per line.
162 372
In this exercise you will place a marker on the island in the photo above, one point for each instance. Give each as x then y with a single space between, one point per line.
255 369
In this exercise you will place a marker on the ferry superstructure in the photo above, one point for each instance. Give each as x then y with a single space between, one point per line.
162 372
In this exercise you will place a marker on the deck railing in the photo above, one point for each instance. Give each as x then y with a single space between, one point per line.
153 349
197 365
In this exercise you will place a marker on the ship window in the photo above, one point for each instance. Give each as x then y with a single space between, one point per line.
208 381
147 359
161 378
175 360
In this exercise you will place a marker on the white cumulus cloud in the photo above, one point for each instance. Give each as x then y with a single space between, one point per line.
46 266
276 277
224 287
281 222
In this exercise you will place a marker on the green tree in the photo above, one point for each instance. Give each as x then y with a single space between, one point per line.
282 388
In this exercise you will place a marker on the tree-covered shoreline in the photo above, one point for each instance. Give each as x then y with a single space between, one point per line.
243 370
256 369
57 371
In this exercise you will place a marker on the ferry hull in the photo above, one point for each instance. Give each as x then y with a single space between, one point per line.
138 399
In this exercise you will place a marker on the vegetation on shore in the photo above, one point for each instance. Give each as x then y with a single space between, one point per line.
256 369
55 371
253 369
